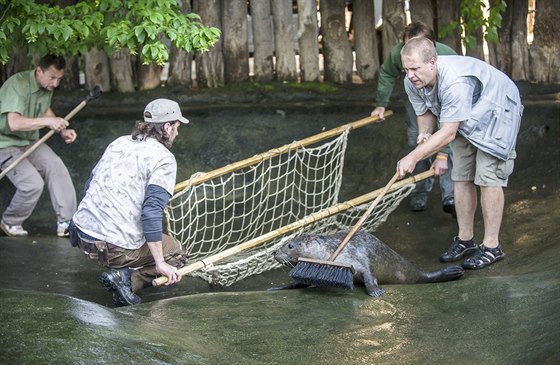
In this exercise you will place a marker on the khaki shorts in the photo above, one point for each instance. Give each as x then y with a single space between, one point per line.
472 164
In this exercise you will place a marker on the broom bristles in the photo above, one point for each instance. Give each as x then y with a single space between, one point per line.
323 274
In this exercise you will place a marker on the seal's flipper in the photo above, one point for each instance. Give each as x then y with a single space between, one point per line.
375 292
446 274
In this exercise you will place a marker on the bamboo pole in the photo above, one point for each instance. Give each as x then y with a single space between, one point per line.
276 152
314 217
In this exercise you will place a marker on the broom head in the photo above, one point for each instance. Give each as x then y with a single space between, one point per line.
323 273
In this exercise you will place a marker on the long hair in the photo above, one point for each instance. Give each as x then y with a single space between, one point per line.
143 130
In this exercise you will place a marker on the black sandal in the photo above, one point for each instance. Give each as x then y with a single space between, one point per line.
458 249
484 257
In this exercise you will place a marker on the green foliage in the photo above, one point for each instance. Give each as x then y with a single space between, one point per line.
147 27
322 87
472 20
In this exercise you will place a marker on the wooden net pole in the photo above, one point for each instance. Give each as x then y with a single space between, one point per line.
276 152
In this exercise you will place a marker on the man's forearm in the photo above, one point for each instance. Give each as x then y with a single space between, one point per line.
157 251
19 123
437 141
426 123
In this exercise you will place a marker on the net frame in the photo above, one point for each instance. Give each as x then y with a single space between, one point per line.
239 263
359 203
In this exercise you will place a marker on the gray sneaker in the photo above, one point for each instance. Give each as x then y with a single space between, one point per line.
62 229
14 230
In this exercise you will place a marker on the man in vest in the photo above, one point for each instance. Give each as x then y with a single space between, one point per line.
479 109
391 69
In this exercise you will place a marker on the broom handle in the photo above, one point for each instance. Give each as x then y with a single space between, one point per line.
94 94
358 225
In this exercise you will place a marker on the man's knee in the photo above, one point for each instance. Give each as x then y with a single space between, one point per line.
32 187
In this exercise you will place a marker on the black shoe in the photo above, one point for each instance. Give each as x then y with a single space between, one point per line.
449 206
458 249
418 202
118 281
485 256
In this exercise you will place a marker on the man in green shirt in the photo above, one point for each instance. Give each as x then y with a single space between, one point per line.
25 100
391 69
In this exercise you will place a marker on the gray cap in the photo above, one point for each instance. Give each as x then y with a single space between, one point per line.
163 110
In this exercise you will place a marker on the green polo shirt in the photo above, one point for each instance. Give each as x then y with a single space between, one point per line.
21 94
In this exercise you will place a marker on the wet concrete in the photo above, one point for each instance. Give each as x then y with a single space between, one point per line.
53 310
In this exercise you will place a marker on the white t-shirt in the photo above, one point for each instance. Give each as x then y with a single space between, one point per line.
112 207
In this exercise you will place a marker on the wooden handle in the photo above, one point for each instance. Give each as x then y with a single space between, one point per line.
94 94
358 225
311 218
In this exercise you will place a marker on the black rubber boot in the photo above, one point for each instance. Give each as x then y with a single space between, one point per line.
418 202
118 282
448 206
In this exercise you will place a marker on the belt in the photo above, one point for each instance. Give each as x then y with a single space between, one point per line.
94 249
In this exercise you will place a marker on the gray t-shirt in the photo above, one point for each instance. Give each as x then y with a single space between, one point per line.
112 207
454 109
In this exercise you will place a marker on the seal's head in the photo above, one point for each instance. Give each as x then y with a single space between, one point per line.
305 246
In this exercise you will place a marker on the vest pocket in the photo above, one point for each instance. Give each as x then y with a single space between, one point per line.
504 132
498 127
483 118
491 123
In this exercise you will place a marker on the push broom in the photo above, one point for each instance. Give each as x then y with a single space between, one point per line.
327 273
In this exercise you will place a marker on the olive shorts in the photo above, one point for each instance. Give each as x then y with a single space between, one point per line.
472 164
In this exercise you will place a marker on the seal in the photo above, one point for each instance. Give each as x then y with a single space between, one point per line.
373 261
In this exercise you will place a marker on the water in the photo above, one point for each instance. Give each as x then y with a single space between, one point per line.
53 310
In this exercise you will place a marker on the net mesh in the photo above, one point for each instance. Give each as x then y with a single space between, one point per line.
228 210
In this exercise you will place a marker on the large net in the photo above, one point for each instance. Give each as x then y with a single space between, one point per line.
240 214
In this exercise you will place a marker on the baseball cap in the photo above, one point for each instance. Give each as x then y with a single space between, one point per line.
163 110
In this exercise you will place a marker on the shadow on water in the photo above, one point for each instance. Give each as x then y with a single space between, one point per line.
53 310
